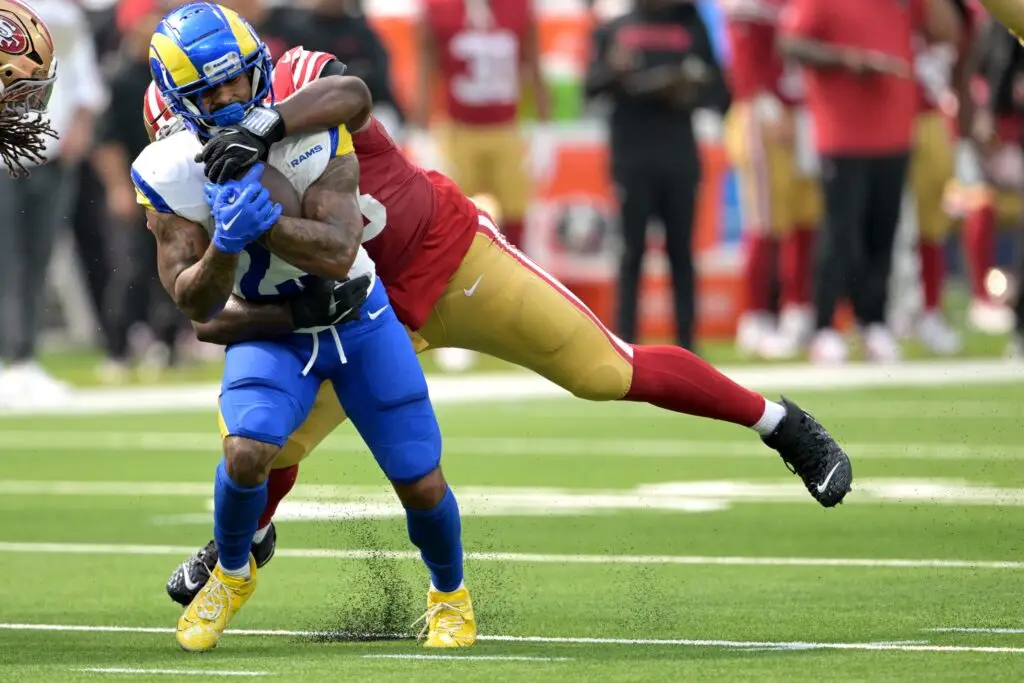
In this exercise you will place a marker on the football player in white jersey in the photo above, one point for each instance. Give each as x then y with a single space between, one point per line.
28 70
217 240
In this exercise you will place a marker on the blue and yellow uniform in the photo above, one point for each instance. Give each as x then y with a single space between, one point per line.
269 387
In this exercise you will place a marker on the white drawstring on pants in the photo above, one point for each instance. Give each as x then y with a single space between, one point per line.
316 347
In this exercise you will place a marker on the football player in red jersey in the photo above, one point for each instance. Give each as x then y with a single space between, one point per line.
28 69
483 50
454 281
767 131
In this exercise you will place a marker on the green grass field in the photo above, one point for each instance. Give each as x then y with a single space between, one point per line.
607 543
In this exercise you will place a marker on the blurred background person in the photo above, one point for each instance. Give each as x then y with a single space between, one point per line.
657 66
857 56
942 70
341 28
486 55
767 137
995 200
135 303
33 209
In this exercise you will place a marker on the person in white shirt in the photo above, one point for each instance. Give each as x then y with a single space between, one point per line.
32 207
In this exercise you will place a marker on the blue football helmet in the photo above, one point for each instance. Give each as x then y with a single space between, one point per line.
197 47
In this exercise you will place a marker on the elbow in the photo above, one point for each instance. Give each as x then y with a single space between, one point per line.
199 312
352 97
208 333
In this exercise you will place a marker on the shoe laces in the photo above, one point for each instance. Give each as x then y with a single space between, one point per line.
212 600
449 619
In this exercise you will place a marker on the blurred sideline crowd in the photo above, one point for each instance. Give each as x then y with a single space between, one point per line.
829 111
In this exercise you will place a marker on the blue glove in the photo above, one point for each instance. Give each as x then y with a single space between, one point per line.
242 211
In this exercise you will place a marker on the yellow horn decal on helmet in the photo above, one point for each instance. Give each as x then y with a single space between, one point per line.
181 71
243 36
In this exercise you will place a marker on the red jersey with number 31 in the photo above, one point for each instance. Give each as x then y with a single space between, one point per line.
479 46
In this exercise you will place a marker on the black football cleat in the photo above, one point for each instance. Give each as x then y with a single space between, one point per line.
811 453
190 576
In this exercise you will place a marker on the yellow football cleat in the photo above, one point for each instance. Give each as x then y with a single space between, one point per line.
203 622
449 620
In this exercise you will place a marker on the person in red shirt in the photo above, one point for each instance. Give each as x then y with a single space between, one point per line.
767 138
454 281
483 50
942 71
857 56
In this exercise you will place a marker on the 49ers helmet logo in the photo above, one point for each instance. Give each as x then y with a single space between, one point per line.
14 39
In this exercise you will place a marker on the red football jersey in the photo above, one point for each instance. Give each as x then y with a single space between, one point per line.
756 66
418 224
479 56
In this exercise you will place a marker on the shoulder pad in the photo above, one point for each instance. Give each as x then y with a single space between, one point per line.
169 180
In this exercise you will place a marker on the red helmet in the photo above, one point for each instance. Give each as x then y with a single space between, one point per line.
158 117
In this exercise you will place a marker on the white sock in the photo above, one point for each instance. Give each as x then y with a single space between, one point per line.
434 589
260 534
241 573
770 419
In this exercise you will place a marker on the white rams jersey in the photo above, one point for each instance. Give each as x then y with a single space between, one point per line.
168 180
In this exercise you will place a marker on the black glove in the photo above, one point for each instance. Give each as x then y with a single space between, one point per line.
234 149
327 302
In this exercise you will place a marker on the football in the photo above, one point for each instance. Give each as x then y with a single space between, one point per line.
282 191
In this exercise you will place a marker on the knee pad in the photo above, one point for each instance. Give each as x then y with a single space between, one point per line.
260 413
408 447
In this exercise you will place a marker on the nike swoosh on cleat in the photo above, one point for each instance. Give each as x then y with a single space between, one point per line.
821 487
189 583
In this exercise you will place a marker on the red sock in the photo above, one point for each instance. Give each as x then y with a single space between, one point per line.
933 273
513 231
279 484
757 271
795 267
674 379
979 246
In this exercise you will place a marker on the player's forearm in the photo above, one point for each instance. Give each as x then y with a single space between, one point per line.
813 53
327 103
202 290
1010 13
326 250
243 320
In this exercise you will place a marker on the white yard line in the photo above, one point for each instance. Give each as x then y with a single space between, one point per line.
556 640
208 445
530 558
470 658
989 631
170 672
512 386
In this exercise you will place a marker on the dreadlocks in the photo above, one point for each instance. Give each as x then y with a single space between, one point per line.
22 137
